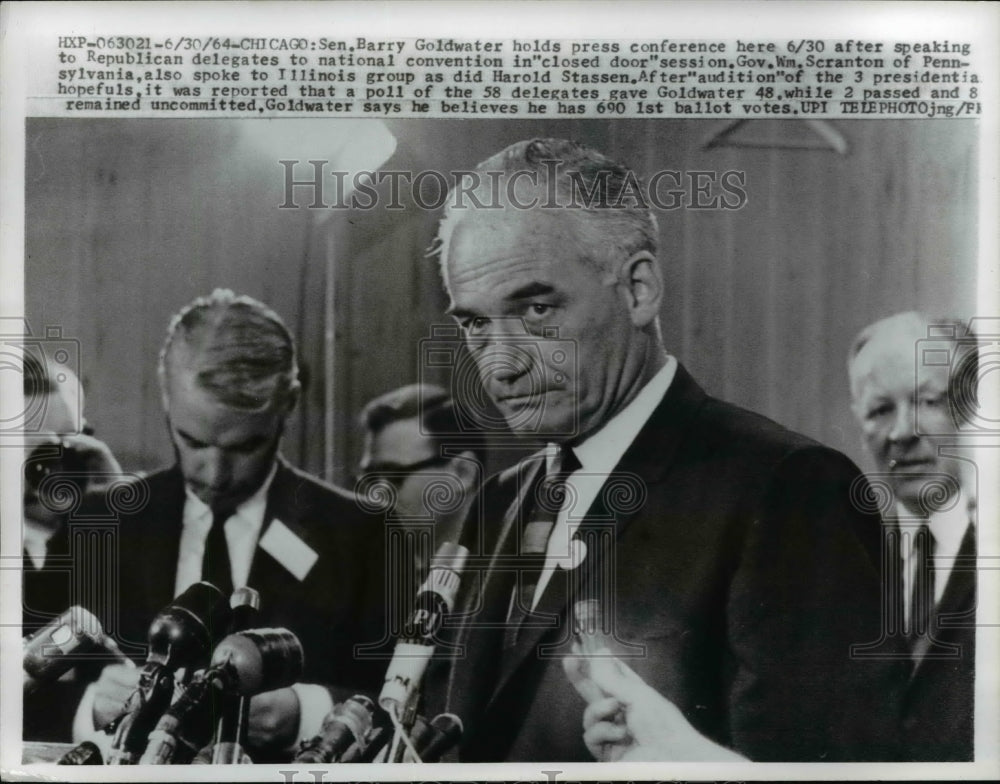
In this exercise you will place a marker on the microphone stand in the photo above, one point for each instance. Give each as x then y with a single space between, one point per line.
231 733
407 718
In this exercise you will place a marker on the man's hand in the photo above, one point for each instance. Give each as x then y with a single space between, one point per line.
627 720
111 692
95 455
274 719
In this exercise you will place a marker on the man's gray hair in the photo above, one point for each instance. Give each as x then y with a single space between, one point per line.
607 200
964 360
238 348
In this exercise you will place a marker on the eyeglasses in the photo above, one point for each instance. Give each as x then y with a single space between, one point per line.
396 473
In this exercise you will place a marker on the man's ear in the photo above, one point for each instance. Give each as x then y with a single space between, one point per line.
292 399
641 282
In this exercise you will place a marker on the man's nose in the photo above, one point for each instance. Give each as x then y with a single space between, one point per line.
503 360
216 467
903 427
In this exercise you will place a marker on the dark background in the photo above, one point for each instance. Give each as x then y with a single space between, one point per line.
128 220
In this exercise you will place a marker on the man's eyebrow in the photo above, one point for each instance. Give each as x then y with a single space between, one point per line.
533 289
188 437
451 310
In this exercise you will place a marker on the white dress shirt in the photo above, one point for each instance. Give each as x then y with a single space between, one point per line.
242 532
948 528
598 456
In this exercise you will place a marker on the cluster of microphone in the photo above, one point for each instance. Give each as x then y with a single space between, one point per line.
214 678
194 689
359 731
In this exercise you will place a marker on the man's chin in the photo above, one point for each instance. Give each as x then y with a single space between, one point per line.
221 500
539 416
925 492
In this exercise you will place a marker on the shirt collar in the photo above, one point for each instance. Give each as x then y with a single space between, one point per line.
36 539
947 526
252 508
600 452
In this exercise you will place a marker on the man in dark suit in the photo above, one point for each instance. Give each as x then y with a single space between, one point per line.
911 427
729 567
233 512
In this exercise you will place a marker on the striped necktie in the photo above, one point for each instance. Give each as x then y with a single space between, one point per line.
543 508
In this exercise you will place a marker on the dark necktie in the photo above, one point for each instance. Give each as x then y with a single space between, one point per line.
215 566
542 510
922 595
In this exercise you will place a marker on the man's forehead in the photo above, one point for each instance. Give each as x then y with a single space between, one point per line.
890 362
510 240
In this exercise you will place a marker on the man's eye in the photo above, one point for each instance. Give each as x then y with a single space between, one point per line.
246 449
878 411
932 401
539 309
475 325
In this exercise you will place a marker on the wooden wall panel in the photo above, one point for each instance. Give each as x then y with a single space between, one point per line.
128 220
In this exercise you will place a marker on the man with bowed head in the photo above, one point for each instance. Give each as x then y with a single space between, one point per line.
744 572
233 512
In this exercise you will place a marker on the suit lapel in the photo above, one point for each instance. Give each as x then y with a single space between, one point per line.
487 605
281 508
957 608
161 538
645 462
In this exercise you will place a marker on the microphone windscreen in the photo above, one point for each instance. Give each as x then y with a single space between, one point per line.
49 652
185 630
262 659
347 725
446 733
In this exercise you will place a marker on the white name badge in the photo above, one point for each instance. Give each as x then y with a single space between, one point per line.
285 547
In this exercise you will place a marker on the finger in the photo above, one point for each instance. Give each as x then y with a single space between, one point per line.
576 669
609 677
604 732
604 709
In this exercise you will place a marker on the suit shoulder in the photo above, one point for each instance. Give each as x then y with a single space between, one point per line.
132 495
307 485
729 427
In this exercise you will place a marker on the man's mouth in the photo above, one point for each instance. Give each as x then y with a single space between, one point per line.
910 464
522 401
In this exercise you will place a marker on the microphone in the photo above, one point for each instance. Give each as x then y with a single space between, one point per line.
347 725
183 632
434 600
180 635
377 740
243 664
444 733
230 737
87 753
54 649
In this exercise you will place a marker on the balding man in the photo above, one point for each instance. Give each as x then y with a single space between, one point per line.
910 424
722 550
233 512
